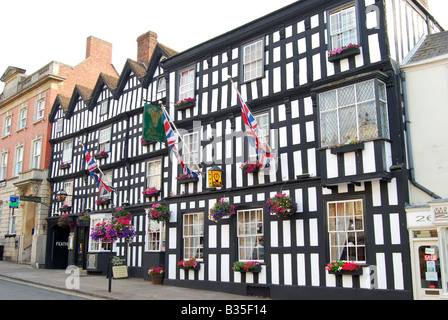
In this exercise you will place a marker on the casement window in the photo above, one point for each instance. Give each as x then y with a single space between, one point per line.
59 125
99 246
250 235
37 150
104 107
7 127
67 152
40 109
104 141
22 118
343 27
262 131
186 84
3 165
154 174
155 236
253 60
193 235
355 112
191 150
19 161
346 230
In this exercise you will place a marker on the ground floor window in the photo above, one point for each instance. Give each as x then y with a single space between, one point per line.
98 246
250 235
155 236
193 227
346 230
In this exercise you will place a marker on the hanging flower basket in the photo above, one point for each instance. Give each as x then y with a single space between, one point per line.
190 264
151 192
83 221
102 201
247 266
222 209
343 267
157 275
66 221
251 167
101 155
109 232
65 165
159 213
281 205
122 212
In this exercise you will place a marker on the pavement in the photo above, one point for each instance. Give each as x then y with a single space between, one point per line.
98 285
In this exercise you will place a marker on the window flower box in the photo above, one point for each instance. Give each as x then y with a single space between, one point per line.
190 264
147 143
101 155
251 167
187 178
281 205
352 146
338 267
102 202
247 266
65 165
185 104
347 51
151 192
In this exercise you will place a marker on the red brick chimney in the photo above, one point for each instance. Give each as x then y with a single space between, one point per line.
146 44
97 48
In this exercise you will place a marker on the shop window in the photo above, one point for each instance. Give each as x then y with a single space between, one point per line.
346 230
250 235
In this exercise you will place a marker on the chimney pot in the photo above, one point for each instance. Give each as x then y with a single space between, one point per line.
146 45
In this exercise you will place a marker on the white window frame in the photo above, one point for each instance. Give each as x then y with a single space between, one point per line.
37 152
104 140
8 124
341 229
342 31
191 150
250 235
263 133
98 246
67 151
155 236
12 228
59 125
193 235
40 109
19 160
3 165
104 107
68 188
23 114
154 174
253 60
187 83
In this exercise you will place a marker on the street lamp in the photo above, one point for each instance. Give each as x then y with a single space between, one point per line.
61 195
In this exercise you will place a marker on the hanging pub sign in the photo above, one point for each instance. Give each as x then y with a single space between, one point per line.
215 177
153 128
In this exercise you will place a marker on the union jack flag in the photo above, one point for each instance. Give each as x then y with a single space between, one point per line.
104 189
263 156
171 139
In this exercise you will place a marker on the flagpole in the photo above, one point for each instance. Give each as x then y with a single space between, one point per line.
179 135
239 93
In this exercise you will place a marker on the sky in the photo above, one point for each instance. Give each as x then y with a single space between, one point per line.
34 33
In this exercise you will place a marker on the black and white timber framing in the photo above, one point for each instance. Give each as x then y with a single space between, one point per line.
296 72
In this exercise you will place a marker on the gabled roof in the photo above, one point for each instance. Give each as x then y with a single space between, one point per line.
10 71
60 101
79 92
130 66
429 47
159 52
103 80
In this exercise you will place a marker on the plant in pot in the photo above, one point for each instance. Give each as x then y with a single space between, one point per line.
157 275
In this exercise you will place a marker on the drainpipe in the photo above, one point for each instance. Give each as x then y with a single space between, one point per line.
409 144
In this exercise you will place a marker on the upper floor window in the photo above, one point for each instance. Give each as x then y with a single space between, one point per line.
104 141
355 112
37 149
104 107
343 27
191 150
154 174
262 132
186 84
19 160
22 118
59 125
7 127
253 56
3 165
67 151
40 109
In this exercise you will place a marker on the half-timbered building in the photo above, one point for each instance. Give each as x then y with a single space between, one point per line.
333 117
